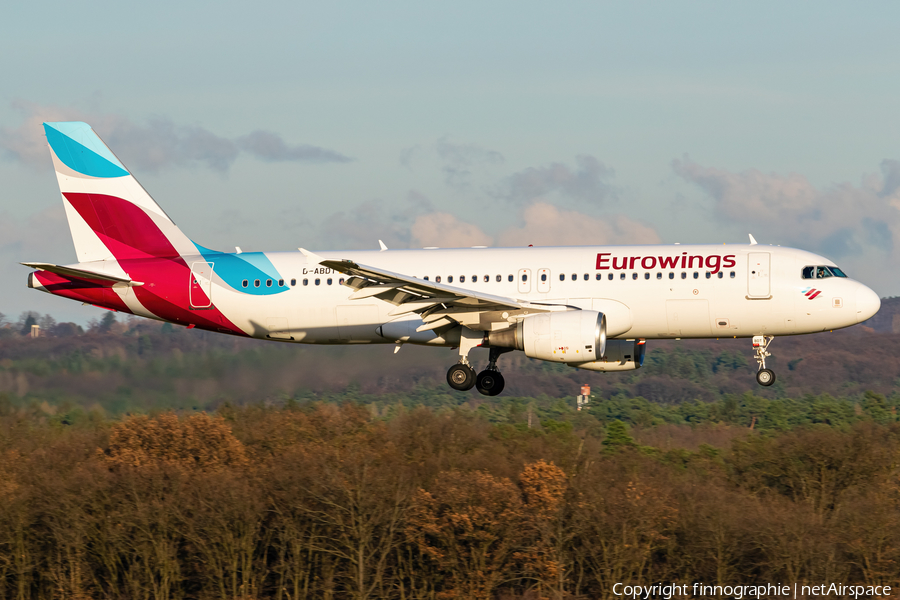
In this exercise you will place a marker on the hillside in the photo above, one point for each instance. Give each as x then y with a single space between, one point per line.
141 365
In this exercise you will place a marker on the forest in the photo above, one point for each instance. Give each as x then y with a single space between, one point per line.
145 461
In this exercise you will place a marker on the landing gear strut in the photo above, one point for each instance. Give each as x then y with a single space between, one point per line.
461 376
761 343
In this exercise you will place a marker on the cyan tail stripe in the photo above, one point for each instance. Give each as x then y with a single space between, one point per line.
235 268
79 148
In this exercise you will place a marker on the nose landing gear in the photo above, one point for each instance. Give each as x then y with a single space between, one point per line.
764 376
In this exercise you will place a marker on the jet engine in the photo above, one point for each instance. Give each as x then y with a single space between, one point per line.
621 355
573 336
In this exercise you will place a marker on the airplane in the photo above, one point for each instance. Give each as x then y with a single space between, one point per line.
589 307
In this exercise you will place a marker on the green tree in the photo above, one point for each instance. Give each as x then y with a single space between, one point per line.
617 437
107 322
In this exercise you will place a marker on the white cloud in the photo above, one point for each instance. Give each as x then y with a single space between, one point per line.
460 163
840 220
446 231
547 225
156 145
587 181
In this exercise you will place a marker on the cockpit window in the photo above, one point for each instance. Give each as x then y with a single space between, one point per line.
821 272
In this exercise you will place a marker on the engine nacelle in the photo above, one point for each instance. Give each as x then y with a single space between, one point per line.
621 355
570 336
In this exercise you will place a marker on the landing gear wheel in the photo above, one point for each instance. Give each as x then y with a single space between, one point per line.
765 377
461 377
490 383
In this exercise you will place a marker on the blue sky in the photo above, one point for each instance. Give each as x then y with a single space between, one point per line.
332 125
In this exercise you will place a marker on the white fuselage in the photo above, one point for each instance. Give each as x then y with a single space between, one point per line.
725 291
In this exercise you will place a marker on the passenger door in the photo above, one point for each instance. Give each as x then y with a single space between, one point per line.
758 283
200 290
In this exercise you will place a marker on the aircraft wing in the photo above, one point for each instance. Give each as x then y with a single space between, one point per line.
438 304
71 272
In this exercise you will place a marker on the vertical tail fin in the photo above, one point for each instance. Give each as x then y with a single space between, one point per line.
110 215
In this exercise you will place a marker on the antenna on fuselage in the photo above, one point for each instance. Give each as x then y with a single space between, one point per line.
752 239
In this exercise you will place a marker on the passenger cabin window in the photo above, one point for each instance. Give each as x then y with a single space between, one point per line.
318 281
306 282
293 282
328 281
510 278
450 279
437 279
732 274
659 275
524 277
721 274
543 277
426 278
499 278
574 277
696 275
683 275
610 277
281 283
245 283
708 274
599 276
256 283
268 283
646 275
671 275
622 276
821 272
462 278
474 278
562 277
586 277
634 275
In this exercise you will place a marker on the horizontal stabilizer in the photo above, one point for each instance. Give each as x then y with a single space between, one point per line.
71 272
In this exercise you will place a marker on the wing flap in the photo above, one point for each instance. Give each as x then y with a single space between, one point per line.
439 305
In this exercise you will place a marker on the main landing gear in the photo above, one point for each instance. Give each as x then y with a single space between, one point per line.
489 382
462 377
761 343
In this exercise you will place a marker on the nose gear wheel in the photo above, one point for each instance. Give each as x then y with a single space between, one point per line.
764 376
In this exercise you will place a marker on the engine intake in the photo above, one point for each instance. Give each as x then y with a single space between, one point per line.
573 336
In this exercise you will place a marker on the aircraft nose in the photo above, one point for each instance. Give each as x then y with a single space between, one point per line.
867 303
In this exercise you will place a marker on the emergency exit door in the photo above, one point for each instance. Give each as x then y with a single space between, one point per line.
524 279
758 280
201 284
543 280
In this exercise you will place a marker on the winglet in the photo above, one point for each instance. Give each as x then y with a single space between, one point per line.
311 255
752 239
383 247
